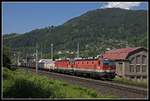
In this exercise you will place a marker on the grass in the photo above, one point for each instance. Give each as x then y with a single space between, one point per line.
24 84
131 82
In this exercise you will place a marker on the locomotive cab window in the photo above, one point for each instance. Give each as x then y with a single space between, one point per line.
105 62
108 62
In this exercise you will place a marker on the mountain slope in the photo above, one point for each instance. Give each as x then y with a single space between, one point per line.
95 30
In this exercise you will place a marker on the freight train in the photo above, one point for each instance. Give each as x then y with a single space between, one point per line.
99 68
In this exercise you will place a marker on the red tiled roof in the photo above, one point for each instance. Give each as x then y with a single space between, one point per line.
118 54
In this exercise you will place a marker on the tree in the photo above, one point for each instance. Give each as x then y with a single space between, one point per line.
6 57
6 61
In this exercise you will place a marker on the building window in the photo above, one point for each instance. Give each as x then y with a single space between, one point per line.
138 77
133 60
144 59
143 68
144 77
138 59
132 77
120 64
137 68
131 68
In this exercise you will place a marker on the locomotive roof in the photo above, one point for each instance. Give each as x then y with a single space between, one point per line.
86 59
63 60
79 59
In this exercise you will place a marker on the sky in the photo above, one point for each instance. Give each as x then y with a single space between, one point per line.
24 17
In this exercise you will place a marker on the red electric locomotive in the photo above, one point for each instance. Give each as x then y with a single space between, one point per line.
102 68
62 63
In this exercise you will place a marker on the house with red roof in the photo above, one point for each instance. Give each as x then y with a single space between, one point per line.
130 62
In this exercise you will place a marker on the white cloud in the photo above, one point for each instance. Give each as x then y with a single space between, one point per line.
124 5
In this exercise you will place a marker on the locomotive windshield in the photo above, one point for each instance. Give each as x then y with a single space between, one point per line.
108 62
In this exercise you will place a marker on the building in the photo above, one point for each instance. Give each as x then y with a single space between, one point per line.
130 62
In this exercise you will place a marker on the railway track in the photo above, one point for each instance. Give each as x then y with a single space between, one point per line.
102 87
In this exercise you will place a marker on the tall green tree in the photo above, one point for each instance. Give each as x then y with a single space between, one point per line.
6 57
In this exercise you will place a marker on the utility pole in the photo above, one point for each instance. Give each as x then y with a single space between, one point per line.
78 50
18 59
26 57
52 51
14 57
36 58
40 52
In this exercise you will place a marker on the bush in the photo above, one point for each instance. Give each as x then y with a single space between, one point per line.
23 88
24 84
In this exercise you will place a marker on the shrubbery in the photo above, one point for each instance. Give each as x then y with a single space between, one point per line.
23 84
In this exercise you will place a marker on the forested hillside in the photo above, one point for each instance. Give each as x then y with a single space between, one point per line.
95 31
